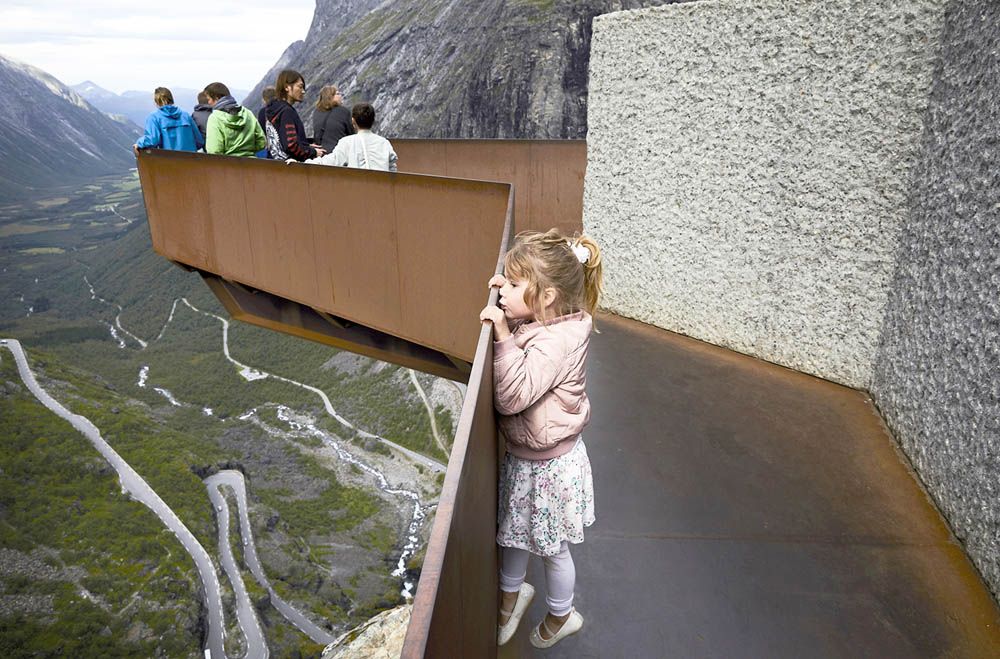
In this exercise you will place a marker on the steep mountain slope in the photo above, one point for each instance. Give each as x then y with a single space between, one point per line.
441 68
50 135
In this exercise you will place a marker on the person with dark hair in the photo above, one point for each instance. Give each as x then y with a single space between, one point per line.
332 120
366 150
233 130
201 112
169 127
267 95
286 136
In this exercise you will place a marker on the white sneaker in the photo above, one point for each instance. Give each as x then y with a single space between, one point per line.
573 624
524 597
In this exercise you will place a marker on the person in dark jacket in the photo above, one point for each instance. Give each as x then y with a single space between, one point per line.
201 112
267 95
169 127
332 120
286 136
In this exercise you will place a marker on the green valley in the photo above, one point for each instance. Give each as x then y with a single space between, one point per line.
83 291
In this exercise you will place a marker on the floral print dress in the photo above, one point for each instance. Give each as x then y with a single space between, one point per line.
543 503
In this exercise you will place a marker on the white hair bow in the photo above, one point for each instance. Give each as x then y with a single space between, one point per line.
582 253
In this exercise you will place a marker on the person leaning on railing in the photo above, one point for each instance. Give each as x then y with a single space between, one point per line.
267 95
232 129
286 136
202 111
169 127
541 329
331 120
366 150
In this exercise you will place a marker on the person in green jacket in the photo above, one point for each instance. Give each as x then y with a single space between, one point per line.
232 129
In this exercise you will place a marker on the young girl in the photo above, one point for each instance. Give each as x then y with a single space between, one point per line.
541 331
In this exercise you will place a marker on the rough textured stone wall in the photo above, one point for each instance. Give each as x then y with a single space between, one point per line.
748 169
818 184
937 375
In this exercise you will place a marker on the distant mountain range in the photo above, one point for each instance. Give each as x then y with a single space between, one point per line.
50 135
439 68
136 105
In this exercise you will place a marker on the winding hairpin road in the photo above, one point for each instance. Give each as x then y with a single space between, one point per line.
139 489
251 373
430 410
235 480
246 614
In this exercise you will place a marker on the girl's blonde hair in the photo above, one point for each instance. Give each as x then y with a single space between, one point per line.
326 100
547 260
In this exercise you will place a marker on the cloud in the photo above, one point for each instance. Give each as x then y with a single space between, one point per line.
122 46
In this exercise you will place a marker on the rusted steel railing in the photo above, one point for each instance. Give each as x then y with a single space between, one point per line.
404 256
455 607
547 174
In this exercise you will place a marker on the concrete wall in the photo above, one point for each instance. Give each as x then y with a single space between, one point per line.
817 183
748 169
937 372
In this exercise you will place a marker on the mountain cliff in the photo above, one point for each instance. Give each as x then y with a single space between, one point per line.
442 68
50 135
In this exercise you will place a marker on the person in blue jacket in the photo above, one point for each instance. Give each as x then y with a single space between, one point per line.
169 127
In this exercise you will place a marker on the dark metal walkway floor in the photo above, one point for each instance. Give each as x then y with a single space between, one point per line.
746 510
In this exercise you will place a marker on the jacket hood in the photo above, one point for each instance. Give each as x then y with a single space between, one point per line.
170 111
227 103
274 107
203 106
236 121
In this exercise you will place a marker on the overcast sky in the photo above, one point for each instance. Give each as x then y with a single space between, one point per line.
124 45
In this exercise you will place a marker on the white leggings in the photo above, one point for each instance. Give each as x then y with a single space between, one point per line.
560 576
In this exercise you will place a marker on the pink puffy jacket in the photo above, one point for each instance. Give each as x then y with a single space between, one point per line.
540 381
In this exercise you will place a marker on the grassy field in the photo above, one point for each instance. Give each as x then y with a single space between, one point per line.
54 201
16 229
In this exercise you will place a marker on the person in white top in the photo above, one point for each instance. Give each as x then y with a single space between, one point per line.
366 150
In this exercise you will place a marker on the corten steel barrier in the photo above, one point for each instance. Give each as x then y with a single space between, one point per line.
389 265
547 174
455 608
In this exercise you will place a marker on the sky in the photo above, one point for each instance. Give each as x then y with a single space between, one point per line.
122 45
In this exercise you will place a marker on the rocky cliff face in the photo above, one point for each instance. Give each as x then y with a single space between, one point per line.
49 135
446 68
379 638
